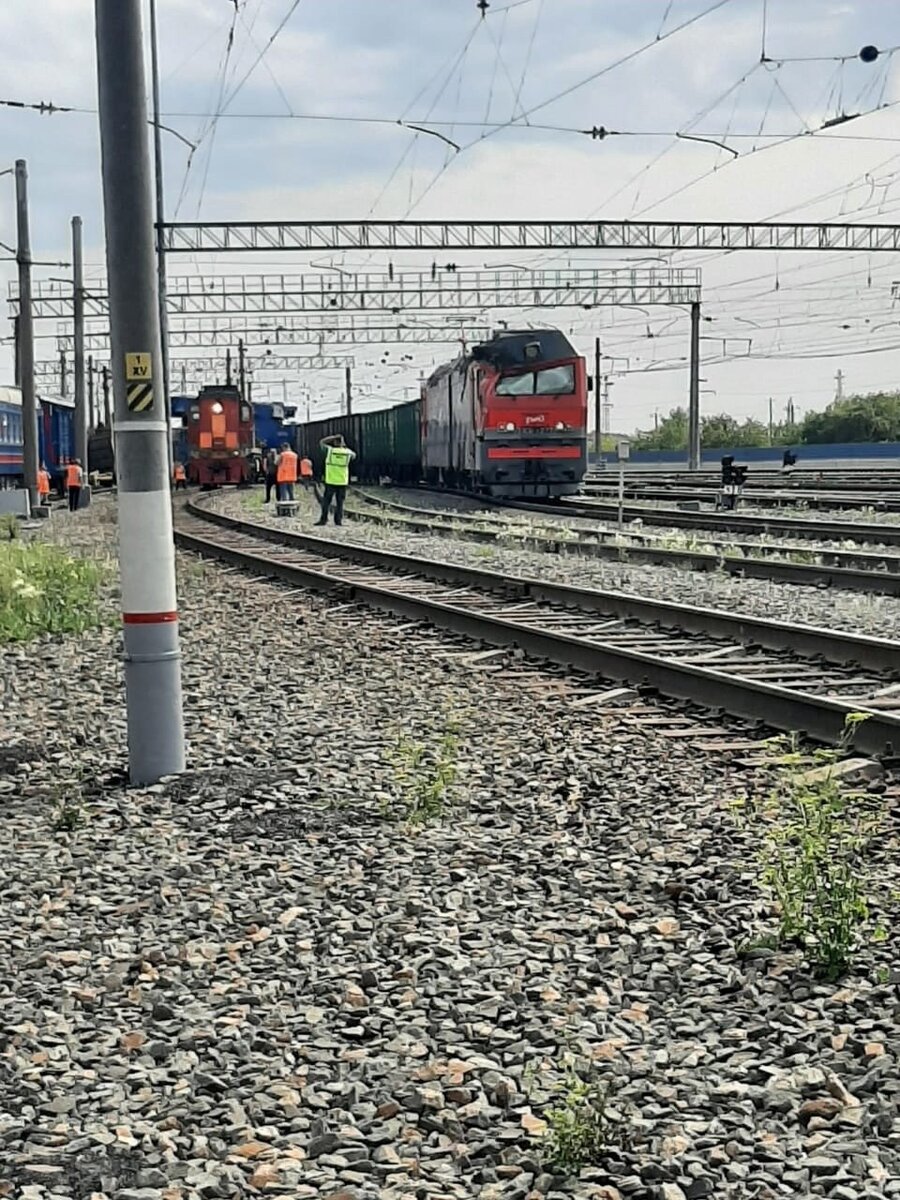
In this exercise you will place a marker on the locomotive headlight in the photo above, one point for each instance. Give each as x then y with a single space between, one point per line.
217 408
560 425
510 428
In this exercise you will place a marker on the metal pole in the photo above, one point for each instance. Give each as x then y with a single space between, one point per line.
81 416
598 405
771 423
146 550
90 386
694 397
31 444
228 367
104 376
242 376
160 235
17 366
348 377
63 380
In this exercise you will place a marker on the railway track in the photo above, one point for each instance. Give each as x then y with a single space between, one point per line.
760 497
793 678
855 571
728 522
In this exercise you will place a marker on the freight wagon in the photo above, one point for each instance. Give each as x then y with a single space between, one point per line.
387 443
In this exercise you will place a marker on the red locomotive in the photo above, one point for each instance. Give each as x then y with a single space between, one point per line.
219 438
509 418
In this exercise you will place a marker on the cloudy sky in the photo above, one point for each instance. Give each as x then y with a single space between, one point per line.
293 108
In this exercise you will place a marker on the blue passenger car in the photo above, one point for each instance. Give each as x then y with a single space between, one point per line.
56 436
10 437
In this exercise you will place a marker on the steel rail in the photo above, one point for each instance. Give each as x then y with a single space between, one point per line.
760 497
819 717
857 531
827 574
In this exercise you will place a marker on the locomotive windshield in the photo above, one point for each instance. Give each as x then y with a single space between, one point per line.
552 381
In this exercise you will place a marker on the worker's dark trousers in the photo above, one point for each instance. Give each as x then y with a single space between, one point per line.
270 484
74 497
338 492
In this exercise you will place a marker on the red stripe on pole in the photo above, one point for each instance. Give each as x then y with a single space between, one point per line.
150 618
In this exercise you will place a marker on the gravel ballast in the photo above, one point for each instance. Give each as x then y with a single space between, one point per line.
255 980
856 612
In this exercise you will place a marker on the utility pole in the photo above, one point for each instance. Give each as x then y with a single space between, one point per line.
694 392
25 341
141 430
839 385
104 383
598 420
242 377
63 375
162 285
606 410
89 371
348 378
81 416
771 424
90 393
228 367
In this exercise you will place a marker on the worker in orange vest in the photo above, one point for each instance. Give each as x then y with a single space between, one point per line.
286 472
43 484
180 476
306 472
74 482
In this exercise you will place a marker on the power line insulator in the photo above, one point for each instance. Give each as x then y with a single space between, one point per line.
484 5
869 54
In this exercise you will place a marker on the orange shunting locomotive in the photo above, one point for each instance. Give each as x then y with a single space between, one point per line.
219 438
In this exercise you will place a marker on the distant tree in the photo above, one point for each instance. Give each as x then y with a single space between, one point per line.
670 434
871 418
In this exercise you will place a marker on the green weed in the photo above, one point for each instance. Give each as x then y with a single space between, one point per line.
426 777
45 590
68 811
581 1122
812 857
9 528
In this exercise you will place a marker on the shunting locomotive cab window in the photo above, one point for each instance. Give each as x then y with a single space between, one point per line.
552 381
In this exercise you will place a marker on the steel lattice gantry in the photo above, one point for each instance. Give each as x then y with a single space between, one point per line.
205 365
283 336
440 292
441 236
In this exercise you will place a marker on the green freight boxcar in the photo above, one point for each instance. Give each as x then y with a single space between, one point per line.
387 443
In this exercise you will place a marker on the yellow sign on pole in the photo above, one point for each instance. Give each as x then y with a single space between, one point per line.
138 368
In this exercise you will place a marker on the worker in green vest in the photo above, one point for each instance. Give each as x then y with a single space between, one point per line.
338 457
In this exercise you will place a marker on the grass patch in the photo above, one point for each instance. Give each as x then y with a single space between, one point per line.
580 1122
45 590
814 834
426 776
